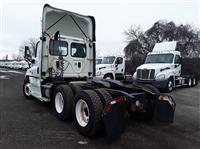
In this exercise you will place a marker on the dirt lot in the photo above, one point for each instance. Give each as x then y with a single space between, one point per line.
28 124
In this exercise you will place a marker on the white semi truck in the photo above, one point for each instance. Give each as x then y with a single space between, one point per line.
63 73
111 67
162 68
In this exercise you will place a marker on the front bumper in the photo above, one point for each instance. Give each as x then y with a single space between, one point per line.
157 83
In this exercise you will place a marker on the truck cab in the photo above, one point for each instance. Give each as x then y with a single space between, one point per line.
66 50
111 67
162 68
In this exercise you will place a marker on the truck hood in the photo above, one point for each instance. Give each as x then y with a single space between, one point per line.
156 66
68 23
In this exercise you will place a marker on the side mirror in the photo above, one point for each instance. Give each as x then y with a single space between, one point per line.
176 65
32 61
27 53
116 63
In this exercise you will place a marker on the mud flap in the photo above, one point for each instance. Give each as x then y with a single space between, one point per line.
114 121
164 110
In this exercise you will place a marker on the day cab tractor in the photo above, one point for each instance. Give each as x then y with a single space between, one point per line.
111 67
163 68
63 73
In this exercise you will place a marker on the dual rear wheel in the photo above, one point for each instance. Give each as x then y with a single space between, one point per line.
86 108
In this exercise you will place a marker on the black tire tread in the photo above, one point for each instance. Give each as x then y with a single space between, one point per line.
27 97
97 107
68 102
104 95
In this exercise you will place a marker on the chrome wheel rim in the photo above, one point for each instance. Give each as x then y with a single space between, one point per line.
170 85
59 102
189 82
82 113
194 82
27 89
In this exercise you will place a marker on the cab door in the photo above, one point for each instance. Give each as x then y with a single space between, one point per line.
177 65
120 65
79 60
34 73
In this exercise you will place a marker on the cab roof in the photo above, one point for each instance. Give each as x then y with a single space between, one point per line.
165 46
67 23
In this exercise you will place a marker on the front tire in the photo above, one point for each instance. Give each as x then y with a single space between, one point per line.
169 87
63 101
87 112
26 89
108 76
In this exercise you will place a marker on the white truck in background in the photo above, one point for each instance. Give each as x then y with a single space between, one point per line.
111 67
98 60
162 68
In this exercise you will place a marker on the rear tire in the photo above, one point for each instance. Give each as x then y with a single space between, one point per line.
104 96
194 81
189 82
87 112
75 87
63 101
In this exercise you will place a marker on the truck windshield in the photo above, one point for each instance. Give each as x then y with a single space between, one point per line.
108 60
98 61
159 58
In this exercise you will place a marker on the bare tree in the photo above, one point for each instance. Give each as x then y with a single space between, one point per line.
31 43
140 42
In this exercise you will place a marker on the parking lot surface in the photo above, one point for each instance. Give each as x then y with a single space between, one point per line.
31 124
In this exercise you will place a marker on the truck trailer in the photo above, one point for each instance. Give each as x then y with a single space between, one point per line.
63 73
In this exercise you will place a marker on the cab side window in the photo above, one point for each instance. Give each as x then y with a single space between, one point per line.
177 59
119 60
78 50
57 47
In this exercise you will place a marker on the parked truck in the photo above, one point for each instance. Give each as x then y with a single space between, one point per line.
63 73
111 67
163 69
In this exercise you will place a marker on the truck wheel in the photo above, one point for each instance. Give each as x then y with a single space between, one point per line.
169 87
26 89
194 81
87 112
146 115
75 88
189 82
104 96
62 101
108 76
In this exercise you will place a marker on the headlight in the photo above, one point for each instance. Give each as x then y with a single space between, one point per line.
98 73
160 77
134 75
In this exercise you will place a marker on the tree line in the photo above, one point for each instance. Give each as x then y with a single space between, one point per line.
140 42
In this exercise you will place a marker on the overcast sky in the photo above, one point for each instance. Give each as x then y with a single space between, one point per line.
20 20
